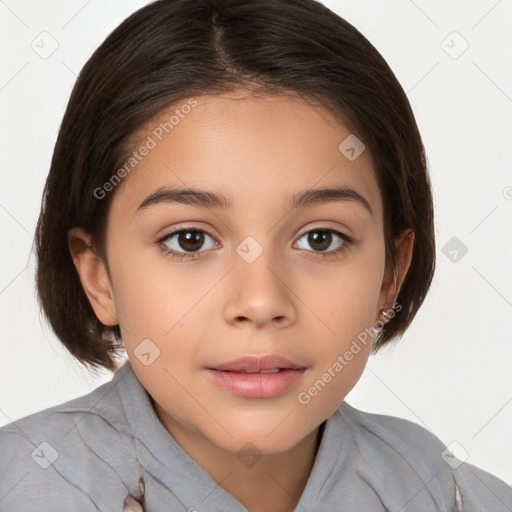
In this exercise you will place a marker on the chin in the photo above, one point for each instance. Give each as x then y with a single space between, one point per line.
269 435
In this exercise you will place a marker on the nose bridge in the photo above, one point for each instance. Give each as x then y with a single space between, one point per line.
257 291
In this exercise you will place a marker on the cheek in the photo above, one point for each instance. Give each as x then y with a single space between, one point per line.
344 300
344 307
343 348
157 301
147 295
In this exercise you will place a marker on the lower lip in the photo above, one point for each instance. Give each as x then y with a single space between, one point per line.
257 385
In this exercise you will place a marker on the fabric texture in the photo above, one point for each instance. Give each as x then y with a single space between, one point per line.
95 452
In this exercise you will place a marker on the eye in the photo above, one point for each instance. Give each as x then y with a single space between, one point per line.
325 241
190 242
186 242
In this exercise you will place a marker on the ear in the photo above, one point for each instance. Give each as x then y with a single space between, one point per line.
93 276
393 280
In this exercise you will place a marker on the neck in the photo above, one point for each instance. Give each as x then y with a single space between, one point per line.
264 483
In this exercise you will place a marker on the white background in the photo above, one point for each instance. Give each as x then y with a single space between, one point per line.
451 371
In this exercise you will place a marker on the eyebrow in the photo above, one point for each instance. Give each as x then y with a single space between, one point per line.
205 199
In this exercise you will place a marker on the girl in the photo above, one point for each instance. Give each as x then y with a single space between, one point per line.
238 198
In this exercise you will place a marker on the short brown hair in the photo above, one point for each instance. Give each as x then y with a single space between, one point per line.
173 49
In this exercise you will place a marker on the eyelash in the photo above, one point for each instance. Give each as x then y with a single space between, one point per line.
183 255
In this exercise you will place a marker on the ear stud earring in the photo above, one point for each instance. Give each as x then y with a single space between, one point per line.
385 314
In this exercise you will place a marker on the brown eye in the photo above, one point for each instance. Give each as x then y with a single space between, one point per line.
319 240
186 241
324 240
190 240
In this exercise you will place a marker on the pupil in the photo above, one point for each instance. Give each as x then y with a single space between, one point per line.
321 237
193 240
187 239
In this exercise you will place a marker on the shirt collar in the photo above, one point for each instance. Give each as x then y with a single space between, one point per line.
161 456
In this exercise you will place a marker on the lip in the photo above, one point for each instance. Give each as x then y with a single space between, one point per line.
257 363
241 376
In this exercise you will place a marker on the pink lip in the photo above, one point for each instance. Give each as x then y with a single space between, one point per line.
256 363
230 377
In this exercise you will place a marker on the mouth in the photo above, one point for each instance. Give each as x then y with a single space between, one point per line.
257 376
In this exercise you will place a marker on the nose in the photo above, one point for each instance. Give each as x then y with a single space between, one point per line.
258 294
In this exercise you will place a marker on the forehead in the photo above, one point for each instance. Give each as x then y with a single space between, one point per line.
250 148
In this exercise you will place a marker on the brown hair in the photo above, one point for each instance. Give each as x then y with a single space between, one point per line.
173 49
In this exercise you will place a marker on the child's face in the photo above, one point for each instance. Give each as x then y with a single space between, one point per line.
231 301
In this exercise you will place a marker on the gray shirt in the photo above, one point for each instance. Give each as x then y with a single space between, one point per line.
87 454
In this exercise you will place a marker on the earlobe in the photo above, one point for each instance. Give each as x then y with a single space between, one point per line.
93 276
393 280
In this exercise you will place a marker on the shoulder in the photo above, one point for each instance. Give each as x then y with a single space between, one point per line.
409 439
47 454
57 422
398 443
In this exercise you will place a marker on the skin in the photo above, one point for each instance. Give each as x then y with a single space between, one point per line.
216 307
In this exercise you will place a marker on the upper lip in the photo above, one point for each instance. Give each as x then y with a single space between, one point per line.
256 363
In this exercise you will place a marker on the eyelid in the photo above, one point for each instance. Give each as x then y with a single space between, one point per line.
305 230
326 227
347 240
188 256
185 227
